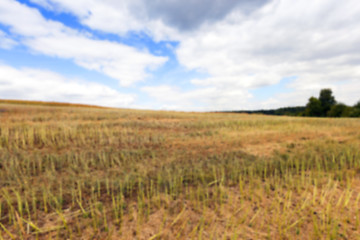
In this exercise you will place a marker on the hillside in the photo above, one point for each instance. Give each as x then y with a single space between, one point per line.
96 173
43 103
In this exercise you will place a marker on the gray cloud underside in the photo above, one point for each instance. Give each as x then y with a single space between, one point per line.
188 15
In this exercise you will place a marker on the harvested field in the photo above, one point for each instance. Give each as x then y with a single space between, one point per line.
95 173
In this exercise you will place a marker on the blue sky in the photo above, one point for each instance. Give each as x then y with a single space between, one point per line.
179 55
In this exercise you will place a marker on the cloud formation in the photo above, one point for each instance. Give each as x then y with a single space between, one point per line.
163 19
37 84
126 64
240 46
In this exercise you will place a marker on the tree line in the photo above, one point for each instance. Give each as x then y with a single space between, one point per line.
323 106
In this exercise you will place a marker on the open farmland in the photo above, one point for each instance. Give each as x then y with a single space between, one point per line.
71 172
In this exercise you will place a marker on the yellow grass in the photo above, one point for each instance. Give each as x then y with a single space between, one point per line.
70 172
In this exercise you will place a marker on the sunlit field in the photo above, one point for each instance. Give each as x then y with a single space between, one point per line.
76 172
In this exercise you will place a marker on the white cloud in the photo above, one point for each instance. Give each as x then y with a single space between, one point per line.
113 16
35 84
116 60
208 98
5 41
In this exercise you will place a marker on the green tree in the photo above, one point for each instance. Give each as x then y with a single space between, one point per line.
313 108
355 111
339 110
357 105
327 100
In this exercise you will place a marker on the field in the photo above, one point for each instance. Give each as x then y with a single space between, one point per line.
75 172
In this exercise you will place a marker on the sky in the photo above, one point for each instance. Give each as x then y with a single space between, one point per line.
197 55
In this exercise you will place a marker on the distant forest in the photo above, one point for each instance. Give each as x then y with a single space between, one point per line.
323 106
